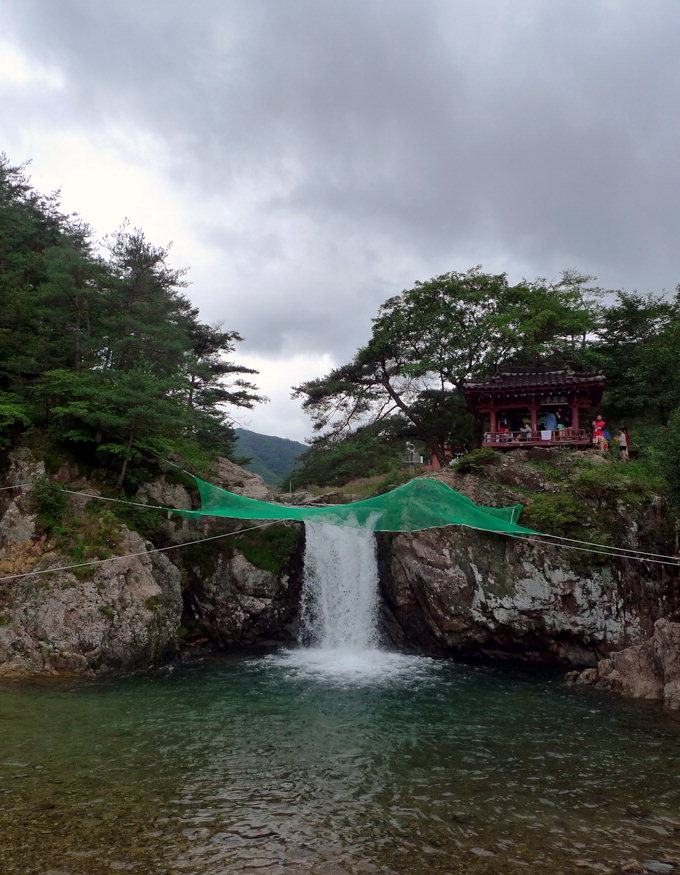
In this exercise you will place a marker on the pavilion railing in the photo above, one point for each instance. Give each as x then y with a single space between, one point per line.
519 437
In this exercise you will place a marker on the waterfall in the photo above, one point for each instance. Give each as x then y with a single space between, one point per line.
338 610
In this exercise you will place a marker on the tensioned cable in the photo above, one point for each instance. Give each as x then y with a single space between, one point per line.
609 546
641 557
624 552
130 555
609 550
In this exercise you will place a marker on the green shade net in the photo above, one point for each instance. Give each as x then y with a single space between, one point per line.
419 504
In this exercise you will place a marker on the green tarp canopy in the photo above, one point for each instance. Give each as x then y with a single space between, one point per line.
419 504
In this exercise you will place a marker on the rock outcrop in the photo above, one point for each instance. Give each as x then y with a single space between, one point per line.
129 612
114 614
471 593
124 614
450 591
650 670
478 594
235 603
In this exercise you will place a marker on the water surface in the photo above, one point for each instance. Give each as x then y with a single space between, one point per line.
332 762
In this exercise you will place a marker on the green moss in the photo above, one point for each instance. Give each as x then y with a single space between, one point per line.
145 521
204 556
550 470
106 610
153 603
270 548
5 620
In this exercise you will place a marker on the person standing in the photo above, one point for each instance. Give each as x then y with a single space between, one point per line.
624 443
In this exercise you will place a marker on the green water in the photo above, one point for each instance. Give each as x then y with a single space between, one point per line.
304 763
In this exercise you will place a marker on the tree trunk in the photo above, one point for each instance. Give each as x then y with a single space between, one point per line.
126 459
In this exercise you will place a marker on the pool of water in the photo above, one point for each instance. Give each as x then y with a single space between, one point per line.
310 761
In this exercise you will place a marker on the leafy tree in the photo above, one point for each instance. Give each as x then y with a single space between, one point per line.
331 461
106 351
637 349
13 415
671 457
427 341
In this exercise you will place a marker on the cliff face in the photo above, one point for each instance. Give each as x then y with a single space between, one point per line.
113 615
472 593
449 591
130 612
650 670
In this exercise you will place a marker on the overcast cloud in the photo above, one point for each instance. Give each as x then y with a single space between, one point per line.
310 158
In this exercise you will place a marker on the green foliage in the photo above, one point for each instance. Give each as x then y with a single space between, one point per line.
335 461
597 484
106 351
50 502
269 548
145 521
396 477
671 457
556 514
13 415
427 341
637 350
476 461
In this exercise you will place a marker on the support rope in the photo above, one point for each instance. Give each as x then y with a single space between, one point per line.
131 555
557 540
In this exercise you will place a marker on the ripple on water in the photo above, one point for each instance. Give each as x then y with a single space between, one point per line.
310 761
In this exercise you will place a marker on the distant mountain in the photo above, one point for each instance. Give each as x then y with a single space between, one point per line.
272 457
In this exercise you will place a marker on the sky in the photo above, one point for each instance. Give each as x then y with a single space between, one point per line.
305 160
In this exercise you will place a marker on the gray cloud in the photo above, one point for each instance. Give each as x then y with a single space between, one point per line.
330 154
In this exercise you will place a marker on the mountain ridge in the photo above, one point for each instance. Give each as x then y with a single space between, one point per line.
271 457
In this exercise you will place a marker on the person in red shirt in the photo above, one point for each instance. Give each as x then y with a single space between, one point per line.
598 432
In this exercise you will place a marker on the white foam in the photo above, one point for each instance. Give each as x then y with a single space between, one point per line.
352 665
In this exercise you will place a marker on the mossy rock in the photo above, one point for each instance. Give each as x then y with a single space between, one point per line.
270 548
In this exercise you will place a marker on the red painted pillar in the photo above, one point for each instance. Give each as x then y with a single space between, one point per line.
493 427
534 417
574 413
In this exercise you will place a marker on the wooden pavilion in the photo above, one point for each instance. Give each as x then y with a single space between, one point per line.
541 406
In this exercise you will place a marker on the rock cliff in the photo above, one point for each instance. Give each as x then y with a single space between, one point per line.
132 611
450 591
472 593
650 670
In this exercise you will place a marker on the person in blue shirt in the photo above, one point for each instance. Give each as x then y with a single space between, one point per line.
550 421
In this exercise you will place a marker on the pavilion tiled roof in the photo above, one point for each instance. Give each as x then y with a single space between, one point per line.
535 378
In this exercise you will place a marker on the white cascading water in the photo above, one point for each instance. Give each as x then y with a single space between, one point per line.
339 613
339 605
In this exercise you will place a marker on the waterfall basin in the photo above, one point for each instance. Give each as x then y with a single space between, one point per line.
311 762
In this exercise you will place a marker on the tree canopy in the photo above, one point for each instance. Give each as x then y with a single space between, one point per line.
428 340
102 348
